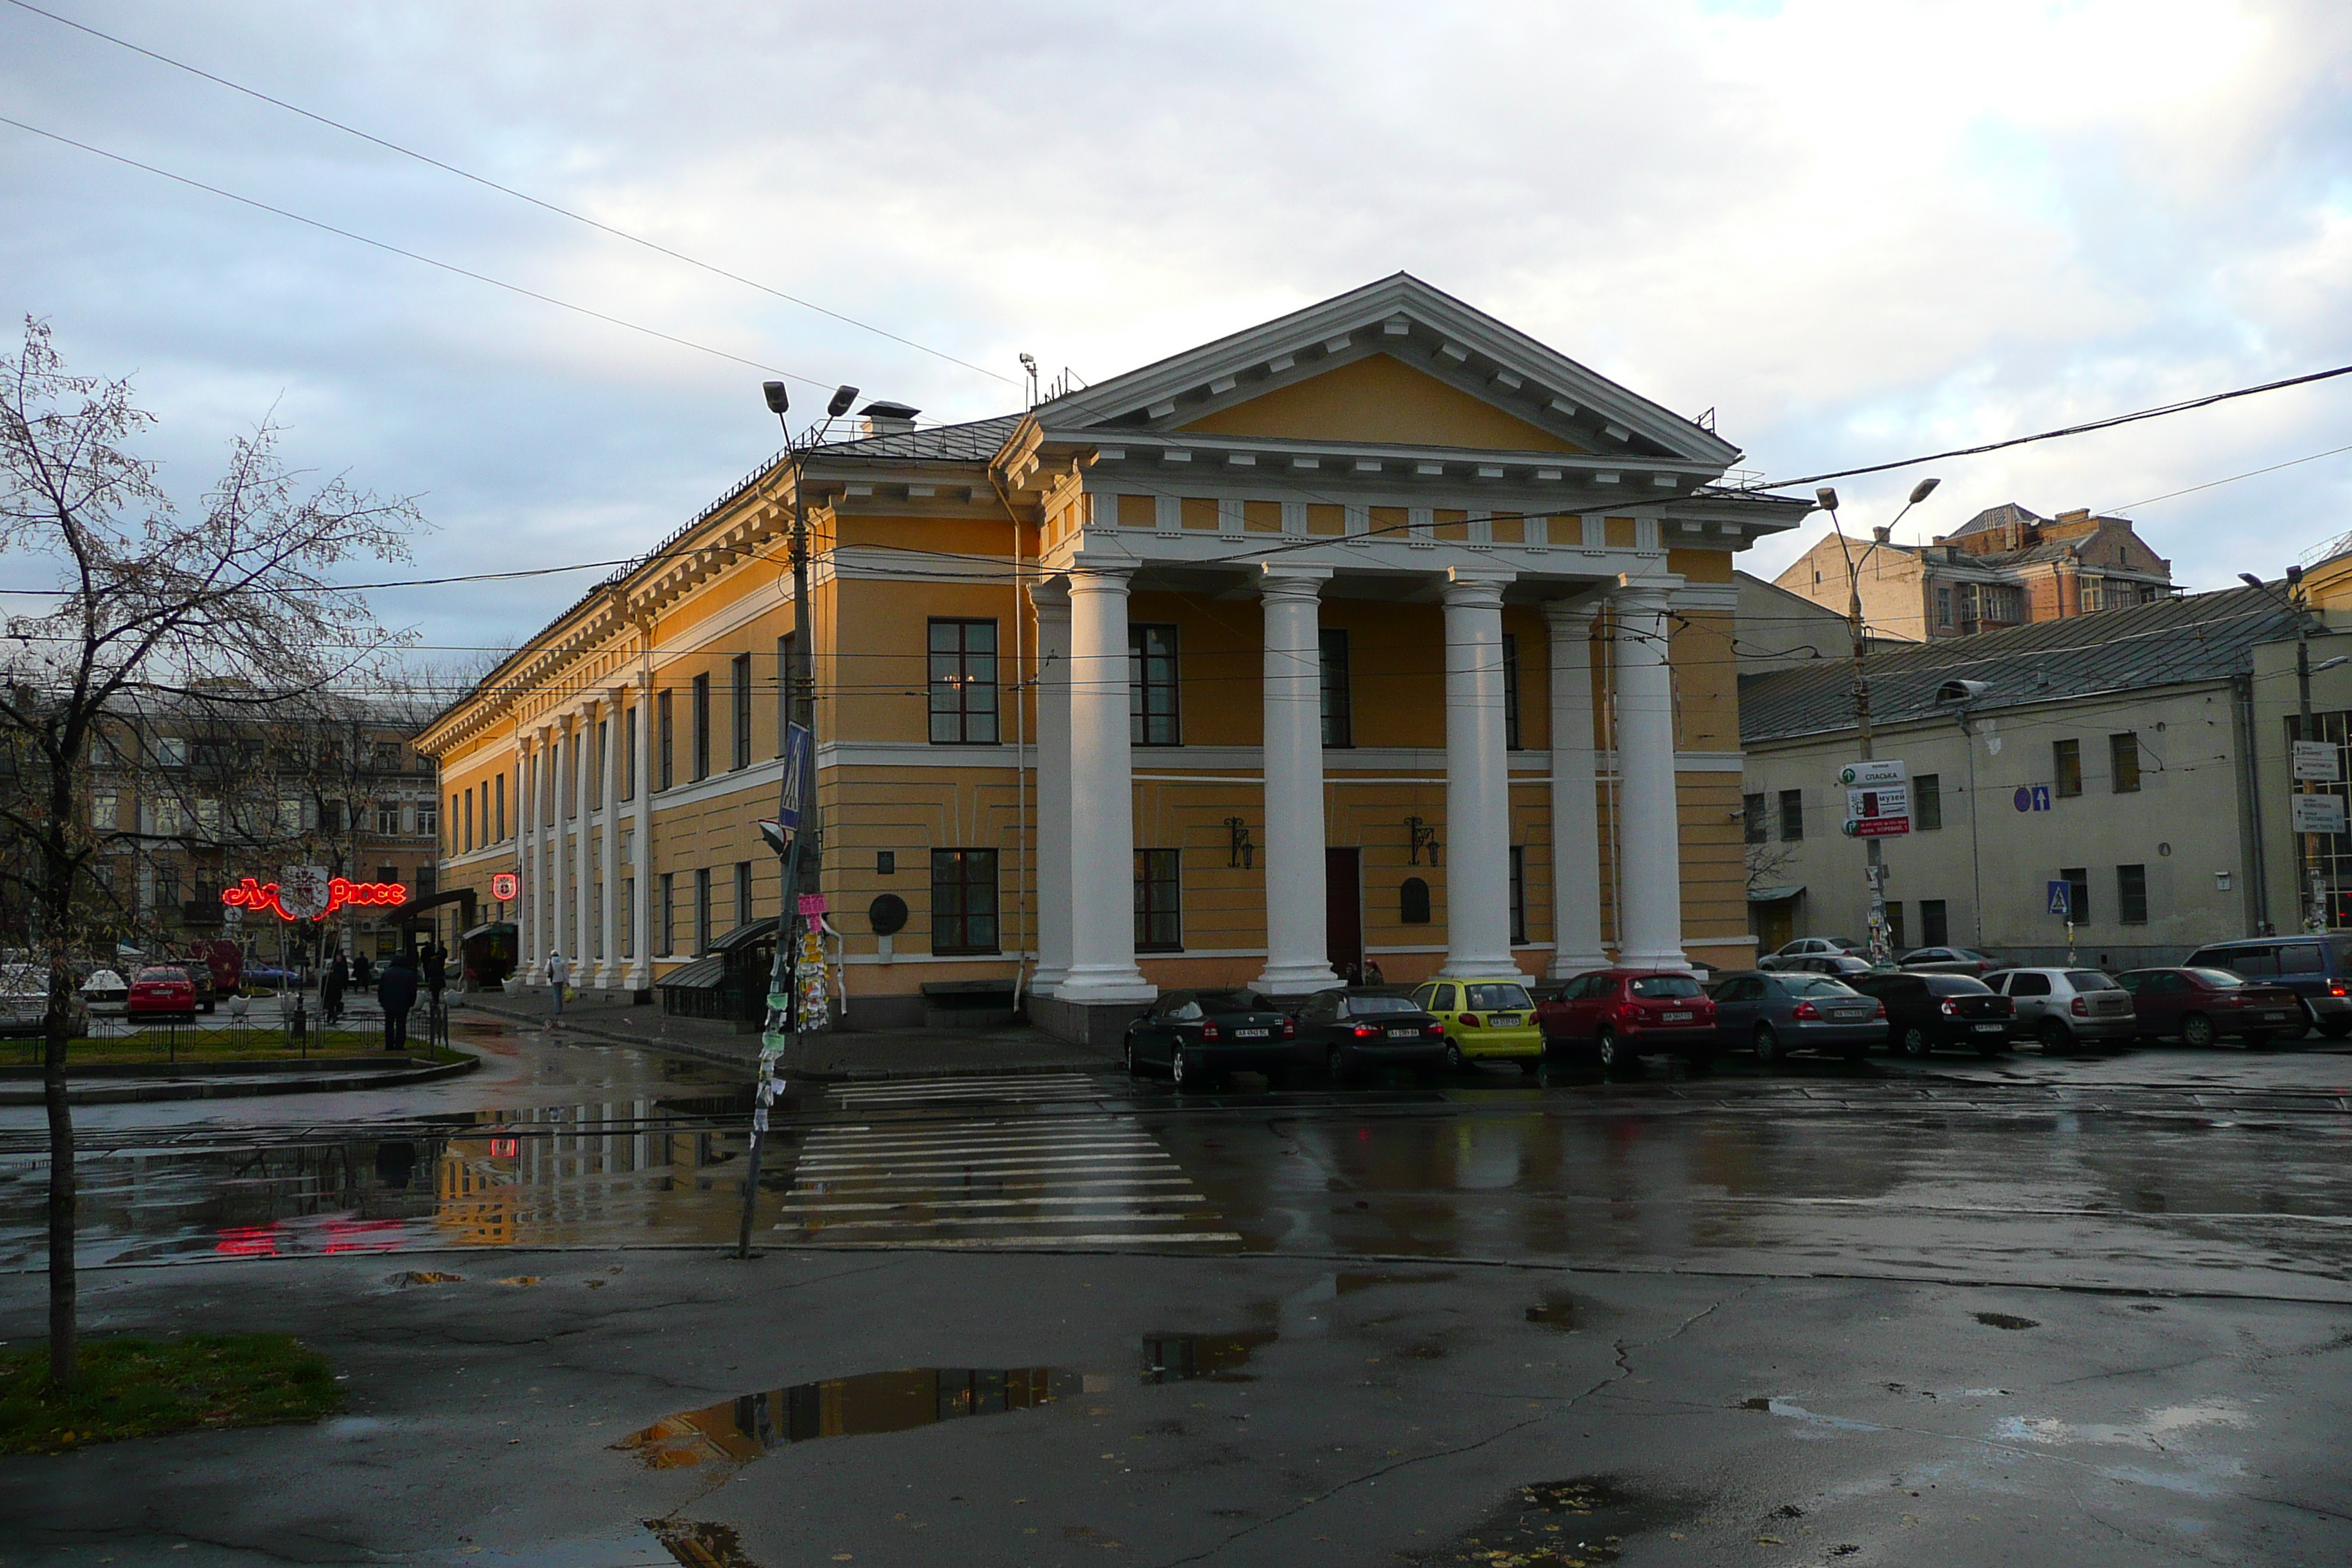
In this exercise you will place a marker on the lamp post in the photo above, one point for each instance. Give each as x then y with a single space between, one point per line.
801 846
2314 911
1875 871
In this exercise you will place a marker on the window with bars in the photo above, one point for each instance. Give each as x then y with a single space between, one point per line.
1153 719
702 726
1158 902
963 901
1339 697
1511 691
963 683
740 690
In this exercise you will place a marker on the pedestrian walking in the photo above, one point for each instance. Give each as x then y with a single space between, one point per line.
559 976
362 972
395 993
333 981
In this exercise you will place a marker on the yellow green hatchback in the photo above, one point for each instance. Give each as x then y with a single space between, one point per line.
1485 1018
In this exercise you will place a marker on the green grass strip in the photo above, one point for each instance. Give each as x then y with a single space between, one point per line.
139 1388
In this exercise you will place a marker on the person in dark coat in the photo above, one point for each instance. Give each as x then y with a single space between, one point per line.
333 983
395 993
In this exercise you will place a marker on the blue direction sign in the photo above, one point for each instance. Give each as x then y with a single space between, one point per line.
2061 898
2032 798
796 768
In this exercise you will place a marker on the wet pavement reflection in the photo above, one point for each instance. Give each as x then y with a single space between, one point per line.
742 1430
1219 1358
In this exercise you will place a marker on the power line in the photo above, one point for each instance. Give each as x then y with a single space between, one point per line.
411 254
2232 479
508 190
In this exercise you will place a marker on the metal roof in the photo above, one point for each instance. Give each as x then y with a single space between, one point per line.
2174 642
974 441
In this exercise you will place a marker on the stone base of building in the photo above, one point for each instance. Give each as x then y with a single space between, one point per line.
1099 1026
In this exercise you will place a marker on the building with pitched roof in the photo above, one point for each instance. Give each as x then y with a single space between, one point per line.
1377 633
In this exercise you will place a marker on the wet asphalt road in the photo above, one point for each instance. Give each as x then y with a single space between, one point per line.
2092 1308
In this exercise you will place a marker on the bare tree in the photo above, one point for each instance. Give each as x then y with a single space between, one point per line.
229 607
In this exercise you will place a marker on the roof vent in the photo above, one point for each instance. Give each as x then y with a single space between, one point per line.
887 418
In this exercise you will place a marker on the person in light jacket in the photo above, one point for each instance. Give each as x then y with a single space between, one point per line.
559 975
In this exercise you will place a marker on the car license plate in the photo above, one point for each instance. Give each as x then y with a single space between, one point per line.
2273 1017
1987 1029
1405 1034
1506 1020
1676 1017
1250 1034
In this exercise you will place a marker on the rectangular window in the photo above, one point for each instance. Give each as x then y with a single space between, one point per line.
1792 815
428 819
743 892
663 723
387 818
702 910
2123 762
2078 892
963 901
469 818
1158 902
596 767
1943 606
783 690
501 838
1510 691
666 928
1756 825
1519 896
629 753
2131 895
963 683
1894 926
628 917
1934 928
2066 764
1339 698
702 726
1927 802
1151 713
739 674
428 881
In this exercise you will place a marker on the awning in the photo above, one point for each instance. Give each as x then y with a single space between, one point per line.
1774 895
702 974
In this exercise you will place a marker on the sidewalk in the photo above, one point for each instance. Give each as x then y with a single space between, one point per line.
838 1054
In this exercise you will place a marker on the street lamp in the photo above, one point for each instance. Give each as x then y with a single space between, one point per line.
1875 870
2315 914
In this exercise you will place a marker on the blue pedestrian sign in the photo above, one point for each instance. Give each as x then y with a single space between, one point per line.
2062 899
796 769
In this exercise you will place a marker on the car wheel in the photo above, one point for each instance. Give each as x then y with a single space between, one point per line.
2302 1028
2197 1030
1454 1060
1768 1045
1915 1043
1531 1065
2054 1035
1182 1073
1337 1061
2337 1028
1609 1050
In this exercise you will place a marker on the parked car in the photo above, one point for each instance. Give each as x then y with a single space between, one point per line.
1351 1030
2317 969
1772 1014
200 976
1923 1011
1619 1014
105 990
1947 961
2065 1008
162 991
1486 1018
1807 947
1200 1036
1838 965
2202 1006
23 999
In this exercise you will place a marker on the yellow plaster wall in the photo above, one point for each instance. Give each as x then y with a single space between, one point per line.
1380 399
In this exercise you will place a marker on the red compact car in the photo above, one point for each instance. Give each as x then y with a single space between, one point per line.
1618 1014
158 991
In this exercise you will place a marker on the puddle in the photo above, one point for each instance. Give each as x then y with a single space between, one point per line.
1558 1524
426 1276
1555 1312
1218 1358
1349 1284
740 1430
700 1545
2004 1321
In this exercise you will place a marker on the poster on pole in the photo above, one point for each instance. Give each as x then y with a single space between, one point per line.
2317 813
1883 811
1874 772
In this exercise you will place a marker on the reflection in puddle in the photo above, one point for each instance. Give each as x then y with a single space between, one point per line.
1181 1358
1555 1313
1559 1525
740 1429
2005 1321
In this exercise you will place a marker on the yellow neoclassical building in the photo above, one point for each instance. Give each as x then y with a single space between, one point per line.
1379 633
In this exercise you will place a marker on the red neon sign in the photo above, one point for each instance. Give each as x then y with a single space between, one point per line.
504 886
252 895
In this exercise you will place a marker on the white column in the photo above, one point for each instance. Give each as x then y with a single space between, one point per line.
1298 958
1478 779
1575 811
1053 601
641 968
1102 798
1649 827
543 899
559 937
609 972
583 768
528 953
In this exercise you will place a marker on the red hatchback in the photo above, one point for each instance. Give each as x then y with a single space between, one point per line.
158 991
1618 1014
2202 1005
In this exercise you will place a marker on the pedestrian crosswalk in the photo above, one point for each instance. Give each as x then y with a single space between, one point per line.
1004 1179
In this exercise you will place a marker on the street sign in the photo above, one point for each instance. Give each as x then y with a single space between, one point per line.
302 892
2317 813
2318 761
1882 812
1878 770
796 768
504 886
2062 899
2032 798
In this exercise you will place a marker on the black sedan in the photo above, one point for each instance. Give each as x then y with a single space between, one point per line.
1923 1011
1200 1036
1351 1030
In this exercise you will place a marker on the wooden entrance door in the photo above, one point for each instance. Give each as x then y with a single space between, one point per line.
1343 908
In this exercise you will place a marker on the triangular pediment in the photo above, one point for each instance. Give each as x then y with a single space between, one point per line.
1380 398
1396 362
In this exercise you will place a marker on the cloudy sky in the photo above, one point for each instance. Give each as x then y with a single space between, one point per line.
1858 230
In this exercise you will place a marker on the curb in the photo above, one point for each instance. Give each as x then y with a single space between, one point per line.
95 1094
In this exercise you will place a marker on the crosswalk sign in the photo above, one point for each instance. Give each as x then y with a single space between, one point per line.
2062 899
